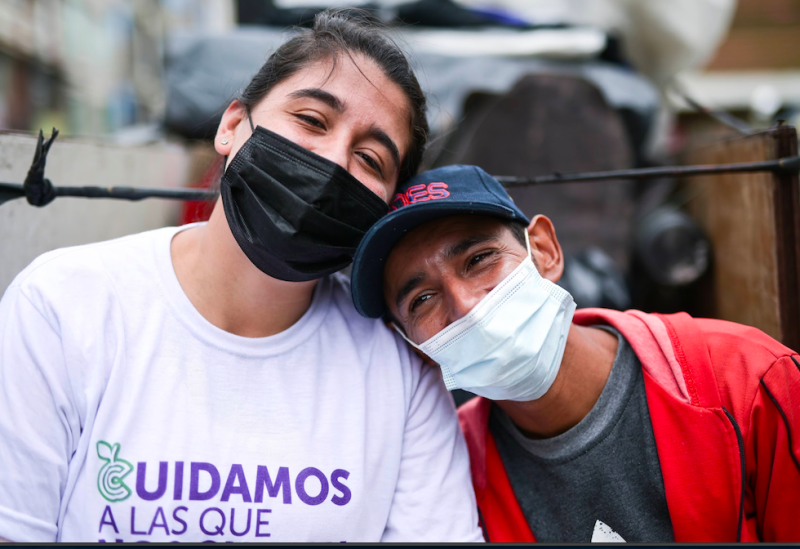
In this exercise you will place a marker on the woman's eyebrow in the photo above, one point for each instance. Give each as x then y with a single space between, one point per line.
320 95
383 138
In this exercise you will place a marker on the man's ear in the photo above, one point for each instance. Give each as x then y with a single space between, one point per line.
545 249
226 131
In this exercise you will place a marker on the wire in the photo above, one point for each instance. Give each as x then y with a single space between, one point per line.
789 164
40 191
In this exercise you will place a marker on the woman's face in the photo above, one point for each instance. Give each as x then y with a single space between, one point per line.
354 116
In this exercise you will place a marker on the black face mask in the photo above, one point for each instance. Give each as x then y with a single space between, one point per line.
297 216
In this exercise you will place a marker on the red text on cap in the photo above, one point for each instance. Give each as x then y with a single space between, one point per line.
420 193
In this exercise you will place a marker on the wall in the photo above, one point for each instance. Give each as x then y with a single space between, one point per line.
27 231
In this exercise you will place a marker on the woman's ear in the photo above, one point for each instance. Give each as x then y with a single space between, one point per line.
231 118
545 249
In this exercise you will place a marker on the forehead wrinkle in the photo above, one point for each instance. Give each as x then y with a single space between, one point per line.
320 95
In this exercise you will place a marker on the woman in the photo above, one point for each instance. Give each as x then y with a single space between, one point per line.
213 382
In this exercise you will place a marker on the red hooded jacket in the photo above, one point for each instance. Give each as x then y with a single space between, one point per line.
724 401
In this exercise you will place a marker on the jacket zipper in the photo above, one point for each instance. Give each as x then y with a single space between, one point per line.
483 525
740 441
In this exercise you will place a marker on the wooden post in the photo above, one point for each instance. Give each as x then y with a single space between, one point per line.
753 221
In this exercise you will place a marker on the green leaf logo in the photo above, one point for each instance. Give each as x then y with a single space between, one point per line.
109 480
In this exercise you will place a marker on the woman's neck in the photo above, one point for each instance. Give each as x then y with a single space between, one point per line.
227 289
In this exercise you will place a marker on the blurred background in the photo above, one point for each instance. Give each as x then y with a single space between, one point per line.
93 67
519 87
96 67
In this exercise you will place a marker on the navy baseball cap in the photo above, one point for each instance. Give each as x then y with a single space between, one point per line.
443 192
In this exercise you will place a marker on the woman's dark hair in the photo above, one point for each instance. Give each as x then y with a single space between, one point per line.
337 32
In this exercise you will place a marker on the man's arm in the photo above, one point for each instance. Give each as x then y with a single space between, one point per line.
434 500
773 455
37 421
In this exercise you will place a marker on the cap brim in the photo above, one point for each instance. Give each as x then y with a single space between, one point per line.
370 259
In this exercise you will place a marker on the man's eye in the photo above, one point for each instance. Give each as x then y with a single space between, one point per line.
477 258
372 163
418 301
311 121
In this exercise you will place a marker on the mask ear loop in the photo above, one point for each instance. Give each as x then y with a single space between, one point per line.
252 129
250 119
527 242
422 354
403 335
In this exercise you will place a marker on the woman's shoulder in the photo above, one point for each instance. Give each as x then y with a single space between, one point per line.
338 287
342 298
88 268
371 332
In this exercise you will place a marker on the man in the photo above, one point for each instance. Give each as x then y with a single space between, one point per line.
602 426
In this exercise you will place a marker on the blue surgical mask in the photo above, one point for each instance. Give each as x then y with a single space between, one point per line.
510 345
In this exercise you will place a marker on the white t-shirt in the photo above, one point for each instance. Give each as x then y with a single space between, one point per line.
126 416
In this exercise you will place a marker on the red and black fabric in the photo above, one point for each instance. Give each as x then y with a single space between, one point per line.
724 401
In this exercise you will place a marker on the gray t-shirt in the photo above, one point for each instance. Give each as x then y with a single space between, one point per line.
599 481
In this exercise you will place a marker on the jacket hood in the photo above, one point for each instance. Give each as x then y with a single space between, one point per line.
648 336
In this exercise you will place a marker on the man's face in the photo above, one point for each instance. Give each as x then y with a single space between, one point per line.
438 272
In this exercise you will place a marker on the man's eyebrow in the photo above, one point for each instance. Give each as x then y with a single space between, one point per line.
320 95
408 287
463 245
383 138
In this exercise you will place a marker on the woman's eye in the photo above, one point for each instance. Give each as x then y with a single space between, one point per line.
372 163
311 121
